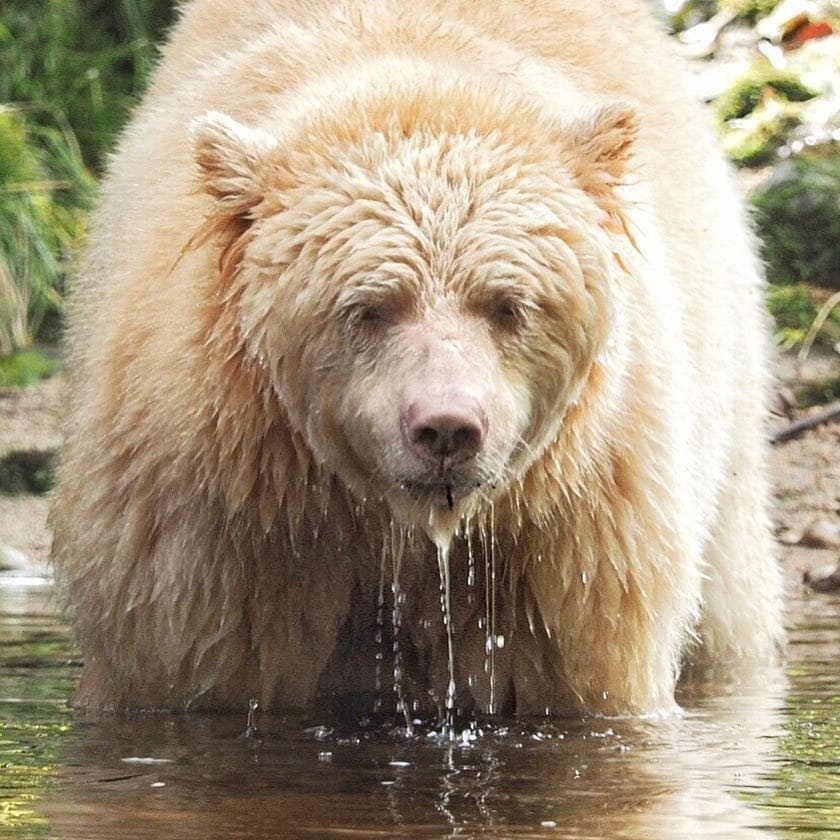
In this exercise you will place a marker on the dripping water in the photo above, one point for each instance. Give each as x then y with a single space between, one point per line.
398 540
380 624
443 548
441 530
470 557
489 546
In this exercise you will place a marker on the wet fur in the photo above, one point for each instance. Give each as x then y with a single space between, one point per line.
227 499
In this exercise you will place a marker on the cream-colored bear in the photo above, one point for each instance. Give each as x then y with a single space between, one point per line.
417 346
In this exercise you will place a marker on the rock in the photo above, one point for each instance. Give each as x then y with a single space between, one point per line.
12 559
826 579
821 533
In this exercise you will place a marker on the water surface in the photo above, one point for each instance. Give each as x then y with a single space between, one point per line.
759 760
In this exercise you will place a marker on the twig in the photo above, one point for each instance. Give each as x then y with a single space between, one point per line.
828 415
817 324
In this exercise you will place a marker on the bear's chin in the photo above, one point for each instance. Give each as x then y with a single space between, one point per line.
435 508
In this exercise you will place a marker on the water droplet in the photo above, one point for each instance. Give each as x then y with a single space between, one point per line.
470 558
319 733
251 730
134 759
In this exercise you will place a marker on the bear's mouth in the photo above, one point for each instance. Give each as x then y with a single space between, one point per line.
442 493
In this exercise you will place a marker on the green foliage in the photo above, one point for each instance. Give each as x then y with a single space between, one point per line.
758 112
753 141
690 13
794 309
25 368
798 218
821 392
745 95
750 10
45 190
82 62
27 471
70 70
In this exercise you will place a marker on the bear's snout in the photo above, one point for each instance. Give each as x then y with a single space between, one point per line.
447 429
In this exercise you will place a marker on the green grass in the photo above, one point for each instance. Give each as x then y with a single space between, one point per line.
794 308
70 71
45 192
84 62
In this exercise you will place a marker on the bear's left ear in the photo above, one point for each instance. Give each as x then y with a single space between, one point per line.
231 157
600 146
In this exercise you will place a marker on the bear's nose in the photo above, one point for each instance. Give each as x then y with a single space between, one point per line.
446 429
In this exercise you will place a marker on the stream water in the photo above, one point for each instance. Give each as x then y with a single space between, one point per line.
747 761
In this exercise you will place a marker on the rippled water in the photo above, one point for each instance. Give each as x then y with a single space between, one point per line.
760 761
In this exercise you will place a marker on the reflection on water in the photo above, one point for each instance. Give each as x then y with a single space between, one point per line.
759 761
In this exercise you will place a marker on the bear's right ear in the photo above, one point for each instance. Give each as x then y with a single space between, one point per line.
231 157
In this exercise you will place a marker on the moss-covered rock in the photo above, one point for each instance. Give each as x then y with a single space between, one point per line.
745 95
759 112
754 140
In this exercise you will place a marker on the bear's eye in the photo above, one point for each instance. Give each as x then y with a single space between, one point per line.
367 318
370 315
505 312
508 315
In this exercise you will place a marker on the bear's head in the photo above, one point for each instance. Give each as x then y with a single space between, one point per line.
427 284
